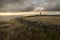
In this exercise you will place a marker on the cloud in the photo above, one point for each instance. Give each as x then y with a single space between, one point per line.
28 5
15 5
19 5
52 5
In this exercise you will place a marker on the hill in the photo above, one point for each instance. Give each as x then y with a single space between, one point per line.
24 29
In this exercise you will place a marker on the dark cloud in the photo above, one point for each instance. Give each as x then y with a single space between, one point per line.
52 5
28 9
28 5
1 3
15 5
55 8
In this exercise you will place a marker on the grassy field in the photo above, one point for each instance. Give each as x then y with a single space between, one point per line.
50 19
31 28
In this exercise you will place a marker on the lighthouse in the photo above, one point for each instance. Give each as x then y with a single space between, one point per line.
40 13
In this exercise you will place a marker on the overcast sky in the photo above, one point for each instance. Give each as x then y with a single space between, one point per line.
29 5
